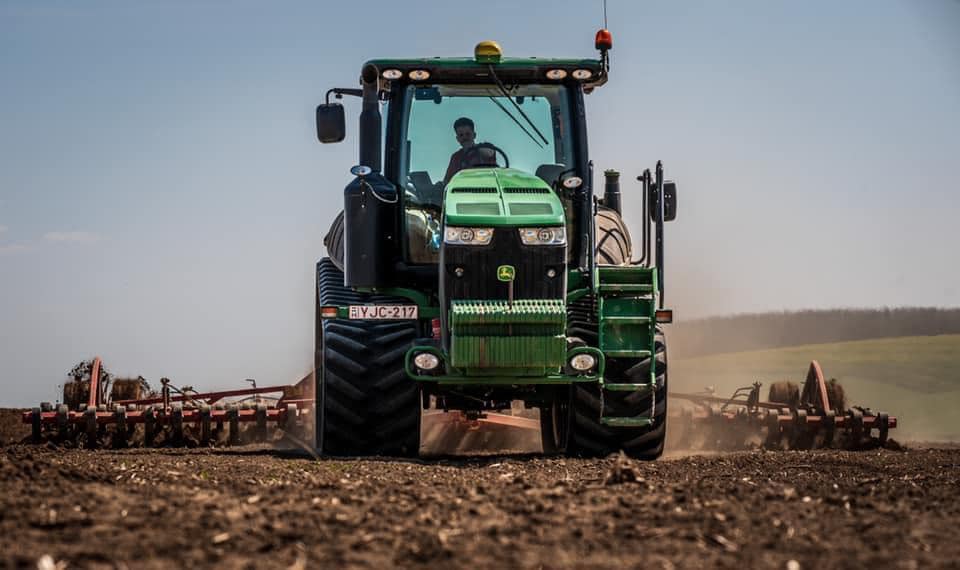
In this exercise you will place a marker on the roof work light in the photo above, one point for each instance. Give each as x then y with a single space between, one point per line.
488 52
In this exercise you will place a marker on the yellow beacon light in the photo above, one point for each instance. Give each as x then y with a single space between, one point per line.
487 52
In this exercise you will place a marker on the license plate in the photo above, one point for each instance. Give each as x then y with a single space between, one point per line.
383 312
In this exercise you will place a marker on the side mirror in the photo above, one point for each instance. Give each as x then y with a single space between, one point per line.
669 201
572 182
331 125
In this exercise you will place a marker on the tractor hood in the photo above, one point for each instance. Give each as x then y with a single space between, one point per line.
500 197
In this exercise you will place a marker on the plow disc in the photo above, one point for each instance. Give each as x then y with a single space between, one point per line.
99 410
793 417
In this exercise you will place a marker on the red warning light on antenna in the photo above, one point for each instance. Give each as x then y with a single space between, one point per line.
604 40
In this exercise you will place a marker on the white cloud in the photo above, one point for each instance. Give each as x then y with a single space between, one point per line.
72 237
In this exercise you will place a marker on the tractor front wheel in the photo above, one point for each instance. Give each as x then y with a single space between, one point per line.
366 404
589 437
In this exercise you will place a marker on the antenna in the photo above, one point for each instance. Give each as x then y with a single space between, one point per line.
605 15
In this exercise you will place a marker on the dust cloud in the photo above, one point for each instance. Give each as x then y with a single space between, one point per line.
452 433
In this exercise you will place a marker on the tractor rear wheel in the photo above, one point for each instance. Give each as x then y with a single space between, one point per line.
613 238
366 404
334 241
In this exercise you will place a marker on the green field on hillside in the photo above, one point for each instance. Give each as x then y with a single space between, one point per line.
915 378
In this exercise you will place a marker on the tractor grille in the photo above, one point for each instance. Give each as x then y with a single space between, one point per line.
479 264
475 190
526 191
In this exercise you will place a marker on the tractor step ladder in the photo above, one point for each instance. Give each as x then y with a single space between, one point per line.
625 310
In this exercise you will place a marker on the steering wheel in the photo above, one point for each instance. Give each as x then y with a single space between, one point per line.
473 157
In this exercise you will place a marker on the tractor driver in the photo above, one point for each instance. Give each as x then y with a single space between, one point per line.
466 135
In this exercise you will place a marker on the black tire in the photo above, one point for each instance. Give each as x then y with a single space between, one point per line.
585 434
571 422
590 438
333 241
366 404
613 238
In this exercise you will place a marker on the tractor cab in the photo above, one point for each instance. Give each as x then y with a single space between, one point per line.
486 140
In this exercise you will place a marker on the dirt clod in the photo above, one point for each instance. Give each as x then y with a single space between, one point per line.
622 471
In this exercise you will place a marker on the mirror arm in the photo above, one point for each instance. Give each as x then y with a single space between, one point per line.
339 92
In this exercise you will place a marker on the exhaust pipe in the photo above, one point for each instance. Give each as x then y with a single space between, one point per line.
611 190
370 120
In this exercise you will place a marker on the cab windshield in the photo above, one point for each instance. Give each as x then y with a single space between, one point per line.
528 128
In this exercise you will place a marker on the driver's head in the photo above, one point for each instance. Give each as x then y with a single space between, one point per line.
465 133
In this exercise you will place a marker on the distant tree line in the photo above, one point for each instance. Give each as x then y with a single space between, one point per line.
757 331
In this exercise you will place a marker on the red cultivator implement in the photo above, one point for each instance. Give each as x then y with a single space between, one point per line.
98 409
794 417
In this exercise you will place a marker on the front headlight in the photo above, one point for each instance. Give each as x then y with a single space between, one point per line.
467 236
543 236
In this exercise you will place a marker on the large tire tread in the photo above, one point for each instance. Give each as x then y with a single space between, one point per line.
334 241
613 238
590 438
366 404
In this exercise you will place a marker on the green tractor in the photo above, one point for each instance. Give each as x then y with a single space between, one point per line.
467 279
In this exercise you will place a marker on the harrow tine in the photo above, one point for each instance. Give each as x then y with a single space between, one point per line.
856 428
36 425
829 427
260 416
63 425
121 429
218 426
800 431
149 425
90 426
774 434
205 425
233 415
176 423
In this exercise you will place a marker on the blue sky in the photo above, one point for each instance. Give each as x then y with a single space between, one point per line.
163 198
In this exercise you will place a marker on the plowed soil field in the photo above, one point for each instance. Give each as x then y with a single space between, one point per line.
257 507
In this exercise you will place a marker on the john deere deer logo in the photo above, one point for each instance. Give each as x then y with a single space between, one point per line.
506 273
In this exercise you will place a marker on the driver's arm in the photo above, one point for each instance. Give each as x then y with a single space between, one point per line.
453 167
